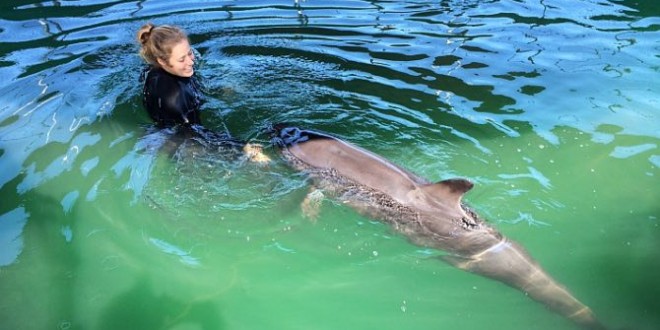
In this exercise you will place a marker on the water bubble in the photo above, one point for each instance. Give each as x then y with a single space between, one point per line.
375 253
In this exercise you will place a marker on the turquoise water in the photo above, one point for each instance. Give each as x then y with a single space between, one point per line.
550 107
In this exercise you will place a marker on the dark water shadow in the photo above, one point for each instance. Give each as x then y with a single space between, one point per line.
142 308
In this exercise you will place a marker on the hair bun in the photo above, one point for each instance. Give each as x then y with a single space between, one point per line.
144 33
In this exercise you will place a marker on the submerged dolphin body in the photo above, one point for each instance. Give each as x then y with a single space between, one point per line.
429 214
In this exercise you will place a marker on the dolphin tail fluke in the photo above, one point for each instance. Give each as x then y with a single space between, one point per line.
587 319
509 263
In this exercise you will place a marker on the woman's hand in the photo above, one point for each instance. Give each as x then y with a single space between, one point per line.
254 153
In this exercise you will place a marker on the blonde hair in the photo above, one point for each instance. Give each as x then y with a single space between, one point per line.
157 42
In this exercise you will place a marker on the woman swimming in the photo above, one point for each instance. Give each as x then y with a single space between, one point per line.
172 92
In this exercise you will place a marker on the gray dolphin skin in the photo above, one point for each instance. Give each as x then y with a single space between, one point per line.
428 214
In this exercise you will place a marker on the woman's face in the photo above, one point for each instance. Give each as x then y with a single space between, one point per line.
181 60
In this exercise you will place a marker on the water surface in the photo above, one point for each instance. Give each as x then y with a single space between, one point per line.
550 107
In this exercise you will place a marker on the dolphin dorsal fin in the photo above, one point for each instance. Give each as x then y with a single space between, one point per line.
452 189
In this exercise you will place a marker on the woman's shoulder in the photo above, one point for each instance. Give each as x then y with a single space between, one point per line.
161 81
151 72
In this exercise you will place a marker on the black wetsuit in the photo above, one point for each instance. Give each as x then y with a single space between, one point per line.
174 102
171 100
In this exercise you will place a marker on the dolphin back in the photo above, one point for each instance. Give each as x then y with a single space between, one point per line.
315 150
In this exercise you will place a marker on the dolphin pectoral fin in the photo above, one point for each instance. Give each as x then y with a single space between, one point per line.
311 205
451 189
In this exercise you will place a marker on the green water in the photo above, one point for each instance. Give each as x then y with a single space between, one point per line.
550 107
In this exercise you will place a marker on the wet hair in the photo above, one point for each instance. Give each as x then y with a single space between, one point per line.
157 42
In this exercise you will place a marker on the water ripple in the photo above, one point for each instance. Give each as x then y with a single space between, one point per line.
542 103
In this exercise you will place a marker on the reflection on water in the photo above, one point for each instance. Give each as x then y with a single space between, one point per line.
549 106
11 228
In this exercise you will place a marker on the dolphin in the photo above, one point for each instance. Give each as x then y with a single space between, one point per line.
428 214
